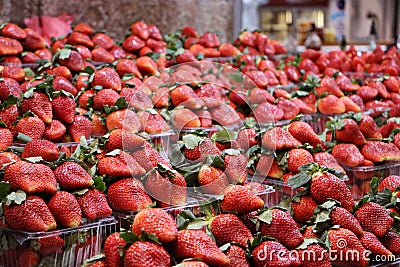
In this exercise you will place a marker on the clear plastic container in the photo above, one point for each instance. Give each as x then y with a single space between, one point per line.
80 243
283 193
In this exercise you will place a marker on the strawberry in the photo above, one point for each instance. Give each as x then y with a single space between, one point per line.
258 96
74 61
83 28
328 86
368 127
189 32
13 31
60 71
350 105
123 139
137 98
54 131
392 84
120 165
103 40
303 132
118 52
30 177
148 157
157 222
65 208
99 54
350 133
48 245
70 175
152 123
303 208
28 258
133 43
239 199
197 244
235 168
372 243
290 110
343 218
41 148
343 241
81 126
154 32
212 180
331 105
204 117
125 66
80 38
140 29
209 39
113 247
308 232
391 182
185 96
282 227
183 117
128 194
9 86
6 158
98 125
221 227
348 155
263 255
314 255
147 66
40 105
64 108
85 52
298 157
94 204
62 83
32 215
204 148
374 218
391 240
105 97
6 138
367 93
10 46
123 119
225 115
31 126
146 253
237 256
247 138
279 138
108 78
327 160
378 151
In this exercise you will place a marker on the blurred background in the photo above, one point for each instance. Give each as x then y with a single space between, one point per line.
333 18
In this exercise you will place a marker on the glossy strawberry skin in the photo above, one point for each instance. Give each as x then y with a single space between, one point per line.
112 246
65 208
70 175
146 253
94 204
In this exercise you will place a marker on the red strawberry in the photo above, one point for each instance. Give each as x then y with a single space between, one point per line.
303 208
314 256
108 78
10 46
391 182
32 215
375 218
113 247
105 97
140 29
60 71
225 115
331 105
343 218
103 40
237 256
6 138
48 245
125 66
9 86
123 119
350 133
204 148
278 138
83 28
368 127
303 132
154 32
74 61
133 43
40 105
145 253
94 204
41 148
65 208
123 139
392 84
263 255
147 66
391 240
184 118
28 258
185 96
235 168
81 126
327 160
247 138
282 227
378 151
148 157
308 232
298 157
31 126
80 38
329 86
64 108
350 105
6 158
9 114
212 180
128 194
221 226
120 165
99 54
30 177
152 123
348 155
372 243
62 83
197 244
84 51
157 222
13 31
205 118
70 175
54 131
239 199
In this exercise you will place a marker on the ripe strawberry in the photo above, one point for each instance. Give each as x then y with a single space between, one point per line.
348 155
263 255
290 110
210 94
62 83
48 245
372 243
40 105
378 151
125 66
30 177
235 168
303 208
205 118
185 96
108 78
31 126
298 157
13 31
70 175
120 165
148 157
85 52
303 132
6 138
41 148
282 227
350 133
391 240
343 240
183 117
80 38
9 114
128 194
94 204
267 113
154 32
197 244
54 131
98 125
140 29
192 263
99 54
147 66
221 227
74 61
308 232
113 248
212 180
6 158
331 105
137 98
103 40
328 86
374 218
247 138
65 208
60 71
32 215
81 126
391 182
350 105
314 255
123 139
123 119
105 97
146 253
83 28
64 108
9 86
10 46
237 256
343 218
239 199
28 258
392 84
368 127
156 221
204 148
278 138
133 43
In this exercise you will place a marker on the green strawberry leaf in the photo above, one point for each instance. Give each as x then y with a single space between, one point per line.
191 141
323 216
196 224
335 74
65 53
307 242
99 184
299 179
231 152
4 189
93 259
16 197
149 237
223 136
266 217
214 160
236 77
129 237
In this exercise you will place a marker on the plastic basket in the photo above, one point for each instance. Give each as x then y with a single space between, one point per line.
80 243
